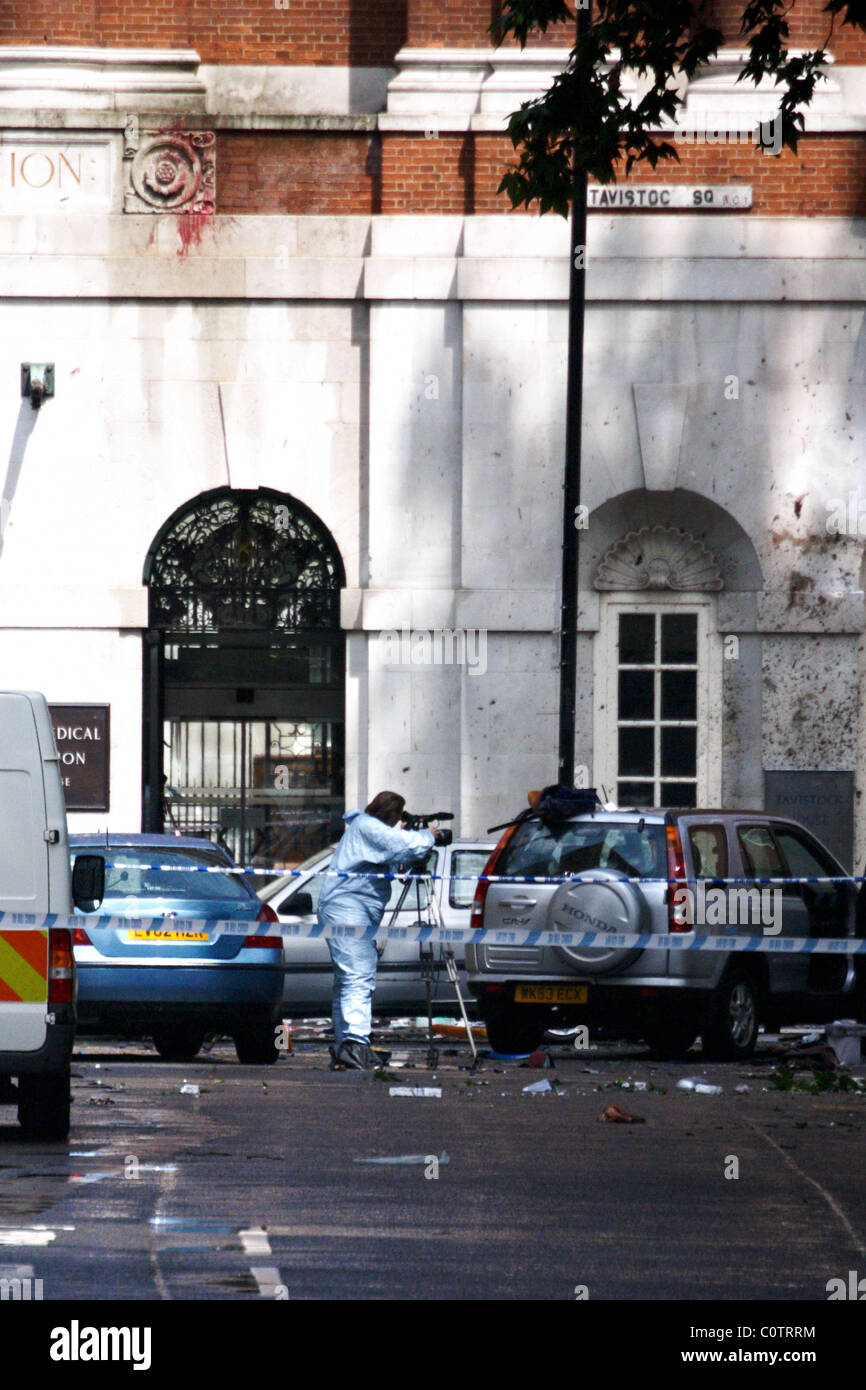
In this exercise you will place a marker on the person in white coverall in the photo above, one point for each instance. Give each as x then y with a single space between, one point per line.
371 844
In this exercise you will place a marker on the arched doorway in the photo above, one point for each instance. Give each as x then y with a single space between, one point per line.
244 677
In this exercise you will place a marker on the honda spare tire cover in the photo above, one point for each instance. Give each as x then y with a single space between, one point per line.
599 900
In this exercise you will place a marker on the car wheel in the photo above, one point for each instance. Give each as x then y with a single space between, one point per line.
670 1040
512 1028
43 1106
178 1043
732 1028
256 1045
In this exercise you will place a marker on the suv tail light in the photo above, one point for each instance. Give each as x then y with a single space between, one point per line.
80 937
61 966
674 896
476 917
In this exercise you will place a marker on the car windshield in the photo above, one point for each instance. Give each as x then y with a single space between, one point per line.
126 876
574 846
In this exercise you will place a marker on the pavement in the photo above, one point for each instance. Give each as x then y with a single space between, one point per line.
293 1182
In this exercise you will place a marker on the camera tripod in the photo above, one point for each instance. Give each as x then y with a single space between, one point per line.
431 962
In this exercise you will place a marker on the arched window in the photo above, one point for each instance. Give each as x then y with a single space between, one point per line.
244 694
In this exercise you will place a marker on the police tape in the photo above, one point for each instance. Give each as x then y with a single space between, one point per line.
154 929
715 881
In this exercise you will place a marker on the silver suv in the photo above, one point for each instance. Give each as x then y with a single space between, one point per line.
667 997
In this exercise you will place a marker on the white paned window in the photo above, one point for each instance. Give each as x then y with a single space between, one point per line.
658 718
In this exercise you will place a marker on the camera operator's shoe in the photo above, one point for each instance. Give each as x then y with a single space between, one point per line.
358 1056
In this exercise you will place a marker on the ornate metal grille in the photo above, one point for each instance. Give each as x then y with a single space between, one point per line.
244 560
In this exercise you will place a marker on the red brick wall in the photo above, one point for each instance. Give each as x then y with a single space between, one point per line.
436 176
809 28
465 24
827 178
298 173
457 173
357 32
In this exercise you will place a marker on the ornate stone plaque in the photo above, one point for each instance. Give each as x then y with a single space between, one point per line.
169 171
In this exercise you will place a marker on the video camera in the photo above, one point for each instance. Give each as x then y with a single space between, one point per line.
413 822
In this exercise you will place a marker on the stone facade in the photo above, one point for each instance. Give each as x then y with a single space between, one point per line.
338 309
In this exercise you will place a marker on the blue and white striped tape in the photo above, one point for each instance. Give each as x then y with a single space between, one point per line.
469 878
452 936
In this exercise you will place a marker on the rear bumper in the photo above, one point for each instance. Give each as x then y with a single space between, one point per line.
626 1008
54 1057
220 992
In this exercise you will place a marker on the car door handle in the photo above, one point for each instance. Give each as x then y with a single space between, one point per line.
519 902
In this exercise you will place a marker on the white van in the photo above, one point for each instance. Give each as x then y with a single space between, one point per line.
37 973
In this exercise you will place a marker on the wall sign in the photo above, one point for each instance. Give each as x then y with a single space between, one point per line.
81 733
42 174
822 801
649 197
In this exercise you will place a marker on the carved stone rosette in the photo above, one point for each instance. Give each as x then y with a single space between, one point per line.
169 171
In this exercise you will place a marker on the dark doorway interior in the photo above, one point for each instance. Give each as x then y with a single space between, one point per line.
244 678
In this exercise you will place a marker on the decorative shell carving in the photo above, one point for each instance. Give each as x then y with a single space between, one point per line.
659 557
173 172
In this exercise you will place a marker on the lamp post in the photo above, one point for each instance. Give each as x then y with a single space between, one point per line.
571 485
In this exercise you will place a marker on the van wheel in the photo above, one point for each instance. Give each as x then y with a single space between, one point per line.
43 1106
512 1028
670 1040
732 1028
179 1043
256 1045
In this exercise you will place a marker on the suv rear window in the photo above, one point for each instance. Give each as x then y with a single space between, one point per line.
574 846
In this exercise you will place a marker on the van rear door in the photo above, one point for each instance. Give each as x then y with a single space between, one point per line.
23 873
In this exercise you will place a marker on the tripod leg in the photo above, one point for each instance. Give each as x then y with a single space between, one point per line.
451 967
432 1051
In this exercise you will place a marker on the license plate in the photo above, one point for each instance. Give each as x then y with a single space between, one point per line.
551 994
169 936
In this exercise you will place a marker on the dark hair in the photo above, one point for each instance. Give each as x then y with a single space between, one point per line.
386 807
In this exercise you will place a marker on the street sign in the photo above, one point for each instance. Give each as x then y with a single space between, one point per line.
646 197
822 801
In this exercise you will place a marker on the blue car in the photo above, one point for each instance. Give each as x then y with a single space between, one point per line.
157 982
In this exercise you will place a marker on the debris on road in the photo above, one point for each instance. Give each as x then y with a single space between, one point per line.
457 1030
742 1090
817 1056
699 1086
401 1159
425 1092
538 1088
190 1088
844 1035
539 1059
615 1115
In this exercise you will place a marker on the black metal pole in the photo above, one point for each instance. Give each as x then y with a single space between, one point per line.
152 809
571 486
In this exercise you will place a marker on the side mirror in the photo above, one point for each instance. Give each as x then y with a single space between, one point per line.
88 881
299 905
